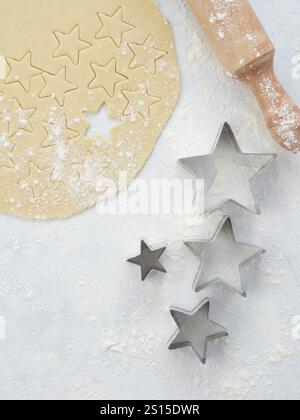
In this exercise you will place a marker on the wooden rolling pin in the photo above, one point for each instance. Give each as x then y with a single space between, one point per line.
247 53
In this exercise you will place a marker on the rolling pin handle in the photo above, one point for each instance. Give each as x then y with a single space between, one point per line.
280 112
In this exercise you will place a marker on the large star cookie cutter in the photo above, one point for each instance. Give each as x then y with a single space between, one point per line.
229 174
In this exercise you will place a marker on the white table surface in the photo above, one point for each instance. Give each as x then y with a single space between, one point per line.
80 324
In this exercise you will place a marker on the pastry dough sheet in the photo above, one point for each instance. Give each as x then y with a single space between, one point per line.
61 60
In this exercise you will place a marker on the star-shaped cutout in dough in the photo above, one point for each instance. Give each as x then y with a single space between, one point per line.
140 101
6 152
57 86
90 172
222 258
228 173
38 180
18 118
70 45
22 71
106 77
114 27
101 123
146 55
58 132
148 260
196 330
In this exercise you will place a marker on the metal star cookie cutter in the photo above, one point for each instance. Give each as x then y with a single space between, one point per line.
148 260
222 258
229 174
195 329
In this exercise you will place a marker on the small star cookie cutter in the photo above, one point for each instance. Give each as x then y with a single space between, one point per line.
149 260
229 174
195 329
222 258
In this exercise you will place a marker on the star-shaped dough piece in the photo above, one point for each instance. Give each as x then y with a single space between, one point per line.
114 26
140 101
70 45
228 173
89 171
6 152
148 260
18 118
146 55
38 180
22 71
57 86
222 258
196 330
58 133
106 77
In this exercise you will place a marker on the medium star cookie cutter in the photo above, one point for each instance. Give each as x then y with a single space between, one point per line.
196 330
229 174
222 258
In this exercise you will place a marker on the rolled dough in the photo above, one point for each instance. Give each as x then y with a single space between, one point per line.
61 60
